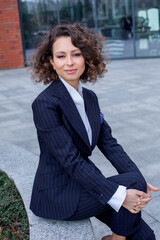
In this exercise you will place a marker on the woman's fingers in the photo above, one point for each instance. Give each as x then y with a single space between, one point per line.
135 211
140 207
144 201
136 200
152 188
141 194
132 198
142 204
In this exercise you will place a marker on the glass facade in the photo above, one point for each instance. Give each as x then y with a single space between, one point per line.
115 22
131 27
147 27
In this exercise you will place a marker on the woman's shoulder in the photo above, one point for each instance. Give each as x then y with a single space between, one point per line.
89 92
45 96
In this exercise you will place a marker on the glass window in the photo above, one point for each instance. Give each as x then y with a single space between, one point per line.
147 28
114 19
126 35
38 17
77 11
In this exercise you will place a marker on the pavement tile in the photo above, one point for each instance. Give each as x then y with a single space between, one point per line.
156 228
10 113
10 123
2 97
149 219
153 209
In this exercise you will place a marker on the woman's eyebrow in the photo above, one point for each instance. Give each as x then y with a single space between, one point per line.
59 52
77 49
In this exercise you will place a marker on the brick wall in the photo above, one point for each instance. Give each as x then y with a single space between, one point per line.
11 49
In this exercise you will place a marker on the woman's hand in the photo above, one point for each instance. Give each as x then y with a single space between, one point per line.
151 188
133 197
136 200
143 201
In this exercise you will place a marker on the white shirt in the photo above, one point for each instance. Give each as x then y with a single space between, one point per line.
77 97
118 197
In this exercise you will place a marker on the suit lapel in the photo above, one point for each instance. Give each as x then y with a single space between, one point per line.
69 109
93 113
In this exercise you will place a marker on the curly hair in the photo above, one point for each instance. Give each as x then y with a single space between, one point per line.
87 40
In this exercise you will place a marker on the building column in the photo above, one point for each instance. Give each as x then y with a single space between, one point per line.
11 46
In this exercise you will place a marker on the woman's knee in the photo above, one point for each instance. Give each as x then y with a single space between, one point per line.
138 182
132 180
144 232
148 235
151 236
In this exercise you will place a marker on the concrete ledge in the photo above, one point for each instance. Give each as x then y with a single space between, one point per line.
21 165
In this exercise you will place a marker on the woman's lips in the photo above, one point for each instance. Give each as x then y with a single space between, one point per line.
71 71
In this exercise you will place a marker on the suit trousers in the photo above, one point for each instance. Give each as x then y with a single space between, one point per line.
123 223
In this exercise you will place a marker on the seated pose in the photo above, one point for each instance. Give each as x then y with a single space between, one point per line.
69 123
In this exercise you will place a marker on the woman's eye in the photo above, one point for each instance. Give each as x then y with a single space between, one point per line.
61 56
77 54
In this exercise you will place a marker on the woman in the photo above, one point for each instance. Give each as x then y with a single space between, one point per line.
67 185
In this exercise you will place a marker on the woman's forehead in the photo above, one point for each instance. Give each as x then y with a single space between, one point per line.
63 44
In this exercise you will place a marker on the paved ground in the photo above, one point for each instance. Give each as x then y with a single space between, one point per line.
129 97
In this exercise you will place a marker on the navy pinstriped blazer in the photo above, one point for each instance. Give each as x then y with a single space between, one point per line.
64 167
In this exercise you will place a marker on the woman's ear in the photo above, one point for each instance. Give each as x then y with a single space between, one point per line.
51 62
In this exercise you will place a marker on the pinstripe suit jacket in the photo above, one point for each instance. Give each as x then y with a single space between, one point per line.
64 167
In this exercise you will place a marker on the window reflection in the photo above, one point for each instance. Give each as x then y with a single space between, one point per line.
147 28
38 17
128 33
77 11
115 23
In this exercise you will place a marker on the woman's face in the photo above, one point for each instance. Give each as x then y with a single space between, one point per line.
67 60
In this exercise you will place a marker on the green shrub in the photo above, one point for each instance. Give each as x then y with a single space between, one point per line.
13 217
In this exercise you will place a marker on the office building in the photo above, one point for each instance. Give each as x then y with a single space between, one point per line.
131 27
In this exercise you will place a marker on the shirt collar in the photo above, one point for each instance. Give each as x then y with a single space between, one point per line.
71 89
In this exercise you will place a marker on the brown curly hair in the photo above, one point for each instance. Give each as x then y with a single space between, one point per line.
87 40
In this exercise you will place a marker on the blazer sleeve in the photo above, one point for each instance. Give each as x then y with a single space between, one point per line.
47 119
114 152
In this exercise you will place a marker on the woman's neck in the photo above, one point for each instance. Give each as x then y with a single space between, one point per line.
74 84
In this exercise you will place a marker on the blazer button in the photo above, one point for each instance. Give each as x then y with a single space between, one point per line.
101 195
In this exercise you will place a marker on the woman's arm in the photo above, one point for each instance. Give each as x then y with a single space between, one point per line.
135 200
114 151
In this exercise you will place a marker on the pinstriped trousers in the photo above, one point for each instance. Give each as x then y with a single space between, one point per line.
122 223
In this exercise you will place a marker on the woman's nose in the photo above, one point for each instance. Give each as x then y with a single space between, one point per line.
69 61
